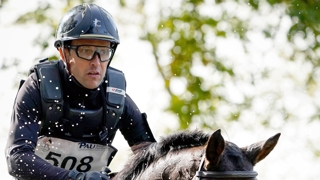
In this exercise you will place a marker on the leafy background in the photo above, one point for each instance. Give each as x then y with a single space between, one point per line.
250 68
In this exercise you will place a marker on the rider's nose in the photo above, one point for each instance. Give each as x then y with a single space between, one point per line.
96 59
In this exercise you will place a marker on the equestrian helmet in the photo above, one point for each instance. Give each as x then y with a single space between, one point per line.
87 21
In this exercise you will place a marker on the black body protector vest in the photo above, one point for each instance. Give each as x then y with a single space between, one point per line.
60 120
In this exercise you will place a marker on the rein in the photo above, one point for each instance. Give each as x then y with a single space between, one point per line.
223 175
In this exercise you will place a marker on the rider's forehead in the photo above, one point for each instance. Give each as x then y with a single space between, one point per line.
94 42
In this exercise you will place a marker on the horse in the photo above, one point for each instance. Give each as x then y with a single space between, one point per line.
195 155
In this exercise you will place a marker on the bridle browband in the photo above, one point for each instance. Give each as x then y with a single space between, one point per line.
201 173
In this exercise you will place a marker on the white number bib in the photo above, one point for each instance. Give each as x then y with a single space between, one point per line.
70 155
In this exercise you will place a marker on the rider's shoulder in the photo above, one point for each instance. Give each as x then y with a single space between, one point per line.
110 68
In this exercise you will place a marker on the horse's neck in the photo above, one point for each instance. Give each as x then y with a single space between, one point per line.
180 164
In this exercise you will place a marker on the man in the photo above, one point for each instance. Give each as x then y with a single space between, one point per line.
67 112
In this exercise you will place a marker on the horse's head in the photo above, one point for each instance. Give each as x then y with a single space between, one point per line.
232 161
180 155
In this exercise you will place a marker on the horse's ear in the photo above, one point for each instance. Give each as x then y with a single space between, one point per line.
215 147
258 151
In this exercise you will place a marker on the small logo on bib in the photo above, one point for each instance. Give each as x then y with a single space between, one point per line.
84 145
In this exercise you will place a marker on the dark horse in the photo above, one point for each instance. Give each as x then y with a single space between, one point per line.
196 155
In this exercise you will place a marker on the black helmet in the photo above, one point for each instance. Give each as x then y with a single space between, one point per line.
87 21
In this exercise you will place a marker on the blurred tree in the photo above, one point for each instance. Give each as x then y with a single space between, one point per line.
190 31
202 50
45 16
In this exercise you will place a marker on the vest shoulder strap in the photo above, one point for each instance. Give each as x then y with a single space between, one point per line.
49 81
115 97
50 91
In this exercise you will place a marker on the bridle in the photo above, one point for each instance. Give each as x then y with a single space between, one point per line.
202 174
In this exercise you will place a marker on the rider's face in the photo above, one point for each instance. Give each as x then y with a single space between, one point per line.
89 73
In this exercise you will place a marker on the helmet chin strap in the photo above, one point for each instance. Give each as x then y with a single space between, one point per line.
65 60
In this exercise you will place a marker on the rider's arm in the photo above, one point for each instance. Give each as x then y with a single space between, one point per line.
23 134
134 126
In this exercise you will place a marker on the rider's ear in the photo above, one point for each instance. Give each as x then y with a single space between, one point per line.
61 52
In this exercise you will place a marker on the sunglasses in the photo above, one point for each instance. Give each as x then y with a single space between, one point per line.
87 52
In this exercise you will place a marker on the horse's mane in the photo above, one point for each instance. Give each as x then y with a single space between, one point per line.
171 143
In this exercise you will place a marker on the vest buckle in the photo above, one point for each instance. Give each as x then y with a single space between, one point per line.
103 133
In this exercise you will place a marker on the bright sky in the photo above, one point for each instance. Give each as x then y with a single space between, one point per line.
292 158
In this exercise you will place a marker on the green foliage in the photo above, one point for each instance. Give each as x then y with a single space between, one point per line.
38 16
186 29
305 15
43 16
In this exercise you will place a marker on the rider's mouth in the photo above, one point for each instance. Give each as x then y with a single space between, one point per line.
94 73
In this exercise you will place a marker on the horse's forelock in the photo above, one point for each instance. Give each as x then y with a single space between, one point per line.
233 159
